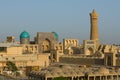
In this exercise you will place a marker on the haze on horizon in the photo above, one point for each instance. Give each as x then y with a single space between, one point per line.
69 18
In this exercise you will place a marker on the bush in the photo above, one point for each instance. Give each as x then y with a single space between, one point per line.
11 66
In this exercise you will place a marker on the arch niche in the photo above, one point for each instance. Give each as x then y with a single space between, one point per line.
90 51
46 46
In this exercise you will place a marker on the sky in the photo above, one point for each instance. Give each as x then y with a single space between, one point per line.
68 18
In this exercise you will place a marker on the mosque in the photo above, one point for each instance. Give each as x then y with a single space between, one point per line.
46 58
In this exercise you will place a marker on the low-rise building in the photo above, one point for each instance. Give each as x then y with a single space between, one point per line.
76 72
23 56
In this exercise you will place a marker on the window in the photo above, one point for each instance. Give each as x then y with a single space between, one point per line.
67 41
6 58
56 48
3 49
13 58
90 42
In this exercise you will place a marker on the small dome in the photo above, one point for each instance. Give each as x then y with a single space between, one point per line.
103 70
24 34
55 35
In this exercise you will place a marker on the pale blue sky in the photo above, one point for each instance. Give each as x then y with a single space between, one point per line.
69 18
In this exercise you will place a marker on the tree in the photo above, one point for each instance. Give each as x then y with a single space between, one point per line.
11 66
60 78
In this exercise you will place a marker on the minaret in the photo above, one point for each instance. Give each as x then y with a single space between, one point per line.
94 26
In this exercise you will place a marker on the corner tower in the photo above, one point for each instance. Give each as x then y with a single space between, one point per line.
94 26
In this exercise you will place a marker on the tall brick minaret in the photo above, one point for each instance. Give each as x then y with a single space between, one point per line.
94 26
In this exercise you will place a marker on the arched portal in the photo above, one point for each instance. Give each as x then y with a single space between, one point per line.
109 61
46 46
90 51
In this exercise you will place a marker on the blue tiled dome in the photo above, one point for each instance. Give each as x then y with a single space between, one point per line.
55 35
24 34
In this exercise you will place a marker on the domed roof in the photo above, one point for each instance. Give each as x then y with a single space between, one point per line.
24 34
103 70
55 35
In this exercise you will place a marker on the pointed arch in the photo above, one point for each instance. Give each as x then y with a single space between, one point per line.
46 45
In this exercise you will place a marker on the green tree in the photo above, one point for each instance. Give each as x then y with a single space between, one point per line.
60 78
11 66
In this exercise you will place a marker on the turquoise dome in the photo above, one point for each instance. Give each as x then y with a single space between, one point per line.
24 34
55 35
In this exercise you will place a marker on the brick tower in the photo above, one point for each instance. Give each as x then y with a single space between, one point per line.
94 27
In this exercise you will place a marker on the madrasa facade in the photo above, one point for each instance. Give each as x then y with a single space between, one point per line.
35 58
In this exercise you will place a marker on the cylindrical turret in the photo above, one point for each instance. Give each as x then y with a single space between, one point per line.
94 26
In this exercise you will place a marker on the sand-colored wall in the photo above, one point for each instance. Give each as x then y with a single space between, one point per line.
82 61
42 60
14 50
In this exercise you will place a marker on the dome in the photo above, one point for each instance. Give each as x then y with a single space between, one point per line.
103 70
55 35
24 34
